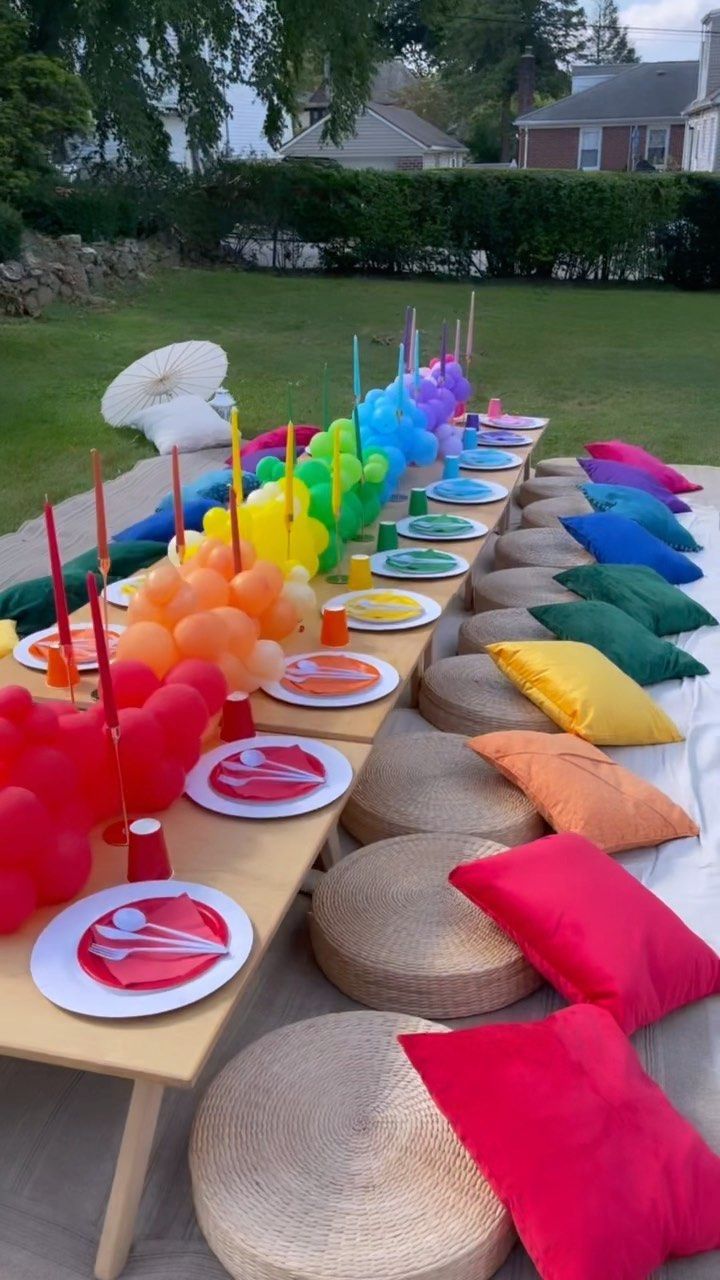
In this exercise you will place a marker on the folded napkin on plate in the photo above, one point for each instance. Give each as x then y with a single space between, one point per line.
175 913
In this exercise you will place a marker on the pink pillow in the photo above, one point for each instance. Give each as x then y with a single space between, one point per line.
592 929
604 1179
633 456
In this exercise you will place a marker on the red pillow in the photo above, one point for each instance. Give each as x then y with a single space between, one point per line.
592 929
632 455
604 1179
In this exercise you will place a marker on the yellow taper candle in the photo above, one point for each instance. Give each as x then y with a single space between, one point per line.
236 440
336 478
289 473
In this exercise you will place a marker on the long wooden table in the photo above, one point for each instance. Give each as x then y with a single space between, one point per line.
259 864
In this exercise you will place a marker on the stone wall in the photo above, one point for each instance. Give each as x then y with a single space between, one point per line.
67 269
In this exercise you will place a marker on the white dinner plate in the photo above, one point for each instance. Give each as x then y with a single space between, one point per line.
57 972
389 680
431 611
493 492
501 438
474 529
512 422
472 460
379 565
338 777
117 592
22 649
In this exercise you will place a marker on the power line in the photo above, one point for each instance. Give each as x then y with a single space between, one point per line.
595 26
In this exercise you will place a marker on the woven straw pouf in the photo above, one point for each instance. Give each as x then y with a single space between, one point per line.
538 488
552 548
547 513
470 695
561 467
390 931
495 625
510 588
435 782
318 1154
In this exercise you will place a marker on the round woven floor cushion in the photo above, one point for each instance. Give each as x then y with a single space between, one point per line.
390 931
560 467
496 625
552 548
435 782
540 487
470 695
547 513
513 588
318 1153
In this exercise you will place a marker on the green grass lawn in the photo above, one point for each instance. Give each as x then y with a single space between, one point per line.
600 362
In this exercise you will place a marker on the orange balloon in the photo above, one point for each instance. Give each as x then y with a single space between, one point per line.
201 635
237 675
254 590
201 559
210 588
242 630
140 609
279 621
183 603
150 643
161 584
267 661
221 560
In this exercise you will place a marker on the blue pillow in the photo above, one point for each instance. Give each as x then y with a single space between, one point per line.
614 539
160 527
648 512
213 487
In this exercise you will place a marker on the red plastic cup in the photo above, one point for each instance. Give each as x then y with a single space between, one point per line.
334 631
495 409
237 718
148 858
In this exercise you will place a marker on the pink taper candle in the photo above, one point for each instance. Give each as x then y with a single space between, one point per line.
100 519
470 330
106 685
61 609
178 505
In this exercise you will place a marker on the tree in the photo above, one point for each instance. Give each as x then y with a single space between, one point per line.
135 54
482 48
41 105
607 40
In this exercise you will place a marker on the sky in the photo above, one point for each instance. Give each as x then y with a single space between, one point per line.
683 15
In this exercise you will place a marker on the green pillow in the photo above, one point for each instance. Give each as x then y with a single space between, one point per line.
627 643
640 592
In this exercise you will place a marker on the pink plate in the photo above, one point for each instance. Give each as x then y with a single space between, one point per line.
96 968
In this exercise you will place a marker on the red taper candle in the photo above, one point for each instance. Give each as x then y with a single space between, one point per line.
61 609
106 684
100 518
178 504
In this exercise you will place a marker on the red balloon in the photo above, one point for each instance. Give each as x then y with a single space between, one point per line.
133 683
11 742
15 703
63 872
18 899
79 815
50 773
41 725
157 789
80 740
178 708
26 828
207 679
142 744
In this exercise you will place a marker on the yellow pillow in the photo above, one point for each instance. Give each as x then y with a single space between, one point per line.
8 637
584 692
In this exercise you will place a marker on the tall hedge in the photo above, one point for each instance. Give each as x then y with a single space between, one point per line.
504 223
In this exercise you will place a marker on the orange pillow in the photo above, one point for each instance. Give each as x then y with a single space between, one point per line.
579 789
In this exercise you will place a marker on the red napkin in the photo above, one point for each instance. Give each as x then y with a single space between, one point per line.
176 913
266 782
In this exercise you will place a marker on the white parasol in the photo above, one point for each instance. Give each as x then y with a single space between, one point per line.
182 369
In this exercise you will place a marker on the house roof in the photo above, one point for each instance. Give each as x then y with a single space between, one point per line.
390 81
580 69
426 135
645 91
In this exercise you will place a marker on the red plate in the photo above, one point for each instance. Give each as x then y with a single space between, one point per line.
96 968
286 774
83 643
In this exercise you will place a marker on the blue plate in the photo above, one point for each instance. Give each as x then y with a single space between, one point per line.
467 489
489 460
502 437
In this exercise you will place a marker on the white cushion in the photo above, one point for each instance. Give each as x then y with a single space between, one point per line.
187 421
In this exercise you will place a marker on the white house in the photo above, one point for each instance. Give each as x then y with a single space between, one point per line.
385 137
242 134
702 152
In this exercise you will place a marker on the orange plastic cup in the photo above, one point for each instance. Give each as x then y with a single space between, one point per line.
360 577
334 631
57 671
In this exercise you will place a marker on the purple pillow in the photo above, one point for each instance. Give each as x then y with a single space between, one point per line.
602 471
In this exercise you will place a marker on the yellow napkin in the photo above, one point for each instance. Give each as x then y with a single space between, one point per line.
8 637
383 606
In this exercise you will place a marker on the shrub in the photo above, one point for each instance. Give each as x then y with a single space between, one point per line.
10 232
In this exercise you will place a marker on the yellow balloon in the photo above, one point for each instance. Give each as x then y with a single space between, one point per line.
216 523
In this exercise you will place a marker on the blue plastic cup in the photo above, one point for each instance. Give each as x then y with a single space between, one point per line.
472 420
469 438
451 469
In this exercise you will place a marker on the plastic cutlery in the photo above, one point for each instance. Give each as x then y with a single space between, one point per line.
189 943
133 919
122 953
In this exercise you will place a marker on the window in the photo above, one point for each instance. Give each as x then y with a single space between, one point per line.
590 142
316 114
657 146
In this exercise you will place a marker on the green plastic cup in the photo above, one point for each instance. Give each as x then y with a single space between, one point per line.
418 505
387 538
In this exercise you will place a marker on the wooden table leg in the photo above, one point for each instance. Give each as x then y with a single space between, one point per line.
331 851
129 1180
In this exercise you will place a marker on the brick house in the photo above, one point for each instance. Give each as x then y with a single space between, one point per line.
615 118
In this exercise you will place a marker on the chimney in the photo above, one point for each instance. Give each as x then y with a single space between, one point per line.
526 82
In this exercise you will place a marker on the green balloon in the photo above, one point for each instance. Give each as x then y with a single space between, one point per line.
330 556
342 425
269 469
375 473
321 445
321 505
347 442
312 473
350 470
351 517
370 503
